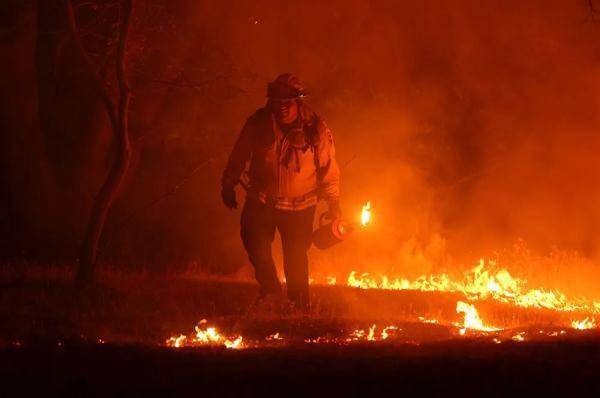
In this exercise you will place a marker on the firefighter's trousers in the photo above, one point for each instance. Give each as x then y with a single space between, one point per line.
258 224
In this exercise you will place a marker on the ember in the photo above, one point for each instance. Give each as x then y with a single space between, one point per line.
519 337
206 337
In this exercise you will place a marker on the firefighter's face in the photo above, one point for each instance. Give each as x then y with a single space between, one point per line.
286 110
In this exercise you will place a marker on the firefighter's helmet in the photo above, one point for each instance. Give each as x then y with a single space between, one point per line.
284 87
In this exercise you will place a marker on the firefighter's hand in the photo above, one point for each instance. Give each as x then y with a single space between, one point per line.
229 197
334 212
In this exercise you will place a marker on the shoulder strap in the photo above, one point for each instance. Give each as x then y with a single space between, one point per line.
313 136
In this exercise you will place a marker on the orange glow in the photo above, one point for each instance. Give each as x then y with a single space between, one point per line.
273 337
480 283
237 343
371 335
587 323
176 341
471 319
205 336
519 337
385 333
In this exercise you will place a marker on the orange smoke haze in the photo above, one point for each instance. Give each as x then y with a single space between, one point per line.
468 125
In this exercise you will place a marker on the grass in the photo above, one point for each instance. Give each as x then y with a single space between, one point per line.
40 303
50 329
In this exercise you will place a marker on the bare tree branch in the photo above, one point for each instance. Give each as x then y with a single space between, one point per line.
90 67
170 192
182 81
592 11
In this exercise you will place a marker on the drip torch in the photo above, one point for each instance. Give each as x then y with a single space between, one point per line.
332 232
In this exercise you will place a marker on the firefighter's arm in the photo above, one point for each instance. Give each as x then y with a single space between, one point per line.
238 158
329 171
242 150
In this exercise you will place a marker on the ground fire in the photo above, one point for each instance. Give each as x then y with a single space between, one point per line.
479 285
481 282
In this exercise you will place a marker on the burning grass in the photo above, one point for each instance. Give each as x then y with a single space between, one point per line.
403 332
165 311
480 283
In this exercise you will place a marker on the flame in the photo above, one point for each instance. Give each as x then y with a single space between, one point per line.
365 216
587 323
478 284
320 339
176 341
556 333
274 336
361 335
331 280
356 335
209 335
205 336
235 344
519 337
371 335
472 319
385 333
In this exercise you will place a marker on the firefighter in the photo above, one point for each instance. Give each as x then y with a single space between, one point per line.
292 165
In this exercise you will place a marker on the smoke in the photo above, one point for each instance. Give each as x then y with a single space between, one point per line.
467 124
471 125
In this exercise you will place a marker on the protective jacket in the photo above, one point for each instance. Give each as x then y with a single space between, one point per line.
291 167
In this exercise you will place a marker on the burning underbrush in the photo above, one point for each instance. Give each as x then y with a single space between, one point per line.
310 330
429 308
480 283
155 311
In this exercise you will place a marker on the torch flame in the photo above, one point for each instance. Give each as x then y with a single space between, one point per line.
365 216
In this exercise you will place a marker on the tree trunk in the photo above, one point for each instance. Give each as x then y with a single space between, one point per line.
118 115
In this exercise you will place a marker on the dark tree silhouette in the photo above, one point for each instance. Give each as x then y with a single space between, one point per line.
592 11
118 112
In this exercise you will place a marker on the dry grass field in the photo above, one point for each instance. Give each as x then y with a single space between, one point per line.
110 339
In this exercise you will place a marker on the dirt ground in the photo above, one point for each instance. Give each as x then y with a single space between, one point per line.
110 340
458 368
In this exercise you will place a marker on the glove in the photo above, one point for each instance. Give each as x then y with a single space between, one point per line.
334 212
228 196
